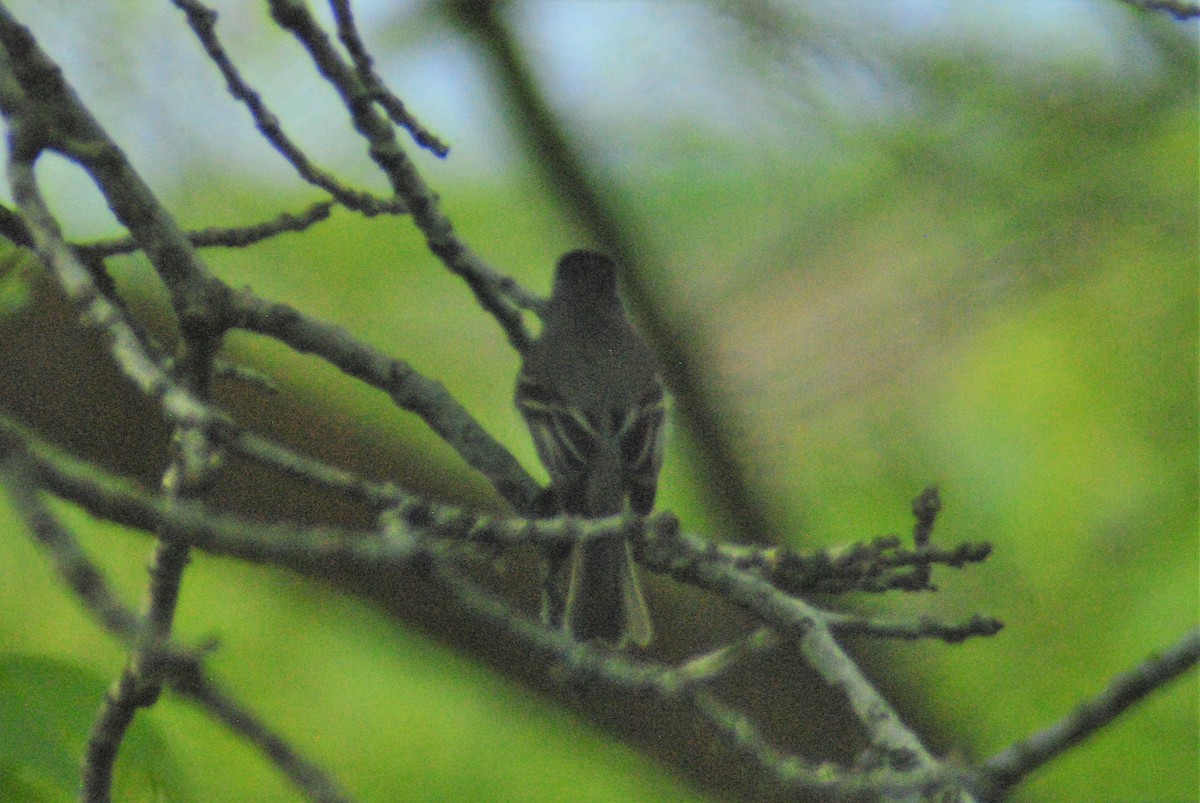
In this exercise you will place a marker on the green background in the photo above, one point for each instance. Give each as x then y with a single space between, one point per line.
990 283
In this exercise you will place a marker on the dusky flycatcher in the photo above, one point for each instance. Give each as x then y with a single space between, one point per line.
591 395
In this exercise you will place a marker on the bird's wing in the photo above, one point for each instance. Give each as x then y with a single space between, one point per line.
641 440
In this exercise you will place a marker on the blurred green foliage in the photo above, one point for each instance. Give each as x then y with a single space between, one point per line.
994 289
16 271
57 699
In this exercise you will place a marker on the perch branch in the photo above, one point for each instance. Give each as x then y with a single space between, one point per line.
316 550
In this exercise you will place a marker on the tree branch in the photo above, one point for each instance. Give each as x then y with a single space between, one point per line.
364 65
235 237
409 389
180 669
499 295
203 22
414 536
1004 770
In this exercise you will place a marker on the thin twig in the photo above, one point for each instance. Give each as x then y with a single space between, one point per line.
187 676
308 469
825 781
1006 769
182 670
233 237
203 22
713 665
925 509
364 66
302 549
924 628
869 567
498 294
69 559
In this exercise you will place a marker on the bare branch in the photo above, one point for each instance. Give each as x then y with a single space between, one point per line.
500 295
236 237
203 22
408 388
881 565
43 112
187 676
924 628
1006 769
364 66
685 556
827 781
182 670
129 352
585 664
716 663
302 549
70 561
1179 9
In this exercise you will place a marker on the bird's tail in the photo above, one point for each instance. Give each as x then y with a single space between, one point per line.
604 600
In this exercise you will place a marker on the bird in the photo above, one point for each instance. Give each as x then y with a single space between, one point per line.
593 399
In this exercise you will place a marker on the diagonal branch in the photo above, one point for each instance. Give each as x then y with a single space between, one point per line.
408 388
182 670
129 352
684 556
43 112
203 22
500 295
364 66
235 237
1004 770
